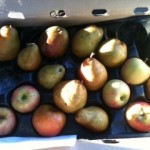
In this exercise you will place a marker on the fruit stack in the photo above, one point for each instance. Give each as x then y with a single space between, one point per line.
74 80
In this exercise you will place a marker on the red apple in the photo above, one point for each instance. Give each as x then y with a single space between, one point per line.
116 93
137 116
25 98
7 121
48 120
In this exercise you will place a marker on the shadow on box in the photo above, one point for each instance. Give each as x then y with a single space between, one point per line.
133 31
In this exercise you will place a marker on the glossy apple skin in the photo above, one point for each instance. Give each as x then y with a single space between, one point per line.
25 98
48 121
116 93
7 121
137 116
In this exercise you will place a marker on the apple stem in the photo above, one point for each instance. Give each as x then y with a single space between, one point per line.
142 112
81 81
1 118
92 55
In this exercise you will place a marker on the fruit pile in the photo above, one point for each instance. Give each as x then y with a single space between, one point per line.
71 81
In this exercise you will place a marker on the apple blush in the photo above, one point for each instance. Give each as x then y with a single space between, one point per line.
48 121
137 116
7 121
116 93
25 98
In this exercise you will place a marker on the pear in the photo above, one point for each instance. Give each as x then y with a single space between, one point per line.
9 43
93 118
54 42
29 58
86 40
50 75
70 95
135 71
112 53
93 73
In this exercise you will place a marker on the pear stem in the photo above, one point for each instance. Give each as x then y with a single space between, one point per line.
146 59
29 44
92 55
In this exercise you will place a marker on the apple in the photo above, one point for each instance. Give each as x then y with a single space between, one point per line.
137 116
25 98
7 121
47 120
116 93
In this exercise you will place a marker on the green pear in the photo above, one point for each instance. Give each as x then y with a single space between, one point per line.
50 75
93 118
135 71
9 43
29 58
112 53
86 40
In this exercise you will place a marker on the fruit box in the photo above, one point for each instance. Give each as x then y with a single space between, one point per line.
130 24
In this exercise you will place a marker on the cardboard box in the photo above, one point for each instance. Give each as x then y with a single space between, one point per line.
113 15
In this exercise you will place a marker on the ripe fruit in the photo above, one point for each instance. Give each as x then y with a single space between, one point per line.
48 121
70 95
135 71
86 40
7 121
54 42
9 43
29 58
50 75
93 118
25 98
92 73
138 116
112 53
116 93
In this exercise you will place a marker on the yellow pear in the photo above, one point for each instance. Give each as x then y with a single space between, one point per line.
86 40
9 43
93 73
135 71
112 53
70 95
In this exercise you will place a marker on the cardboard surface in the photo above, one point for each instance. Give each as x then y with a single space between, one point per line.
37 12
